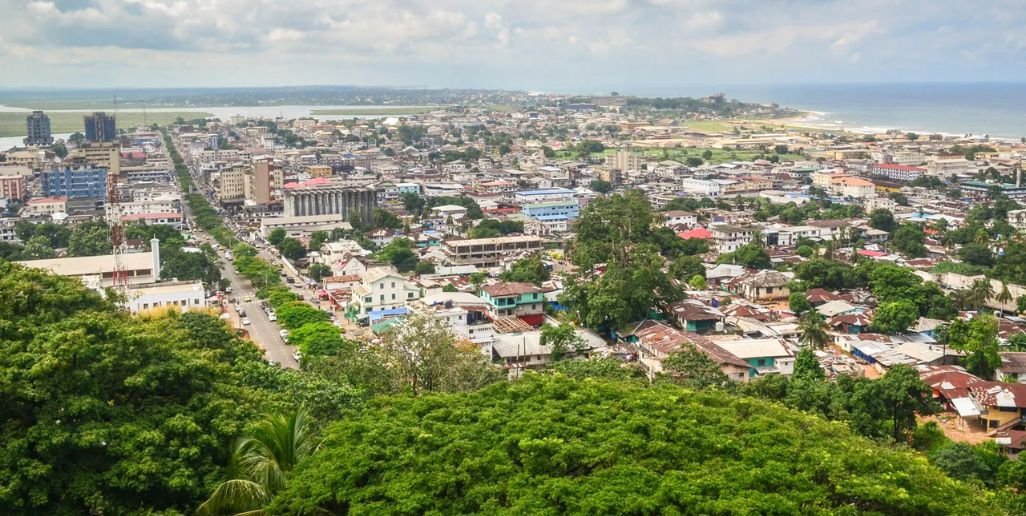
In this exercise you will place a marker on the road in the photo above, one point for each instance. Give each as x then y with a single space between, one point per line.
264 333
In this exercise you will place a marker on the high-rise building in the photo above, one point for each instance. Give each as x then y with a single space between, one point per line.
262 169
83 183
100 127
37 127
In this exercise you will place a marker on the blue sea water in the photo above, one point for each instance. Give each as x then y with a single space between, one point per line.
996 109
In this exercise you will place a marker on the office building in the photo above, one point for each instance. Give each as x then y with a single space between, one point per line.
37 126
623 161
231 183
261 180
489 252
12 187
100 127
80 183
321 196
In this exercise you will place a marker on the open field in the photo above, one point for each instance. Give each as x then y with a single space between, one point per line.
13 124
383 111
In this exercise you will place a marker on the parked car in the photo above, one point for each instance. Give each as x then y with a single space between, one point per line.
245 321
271 317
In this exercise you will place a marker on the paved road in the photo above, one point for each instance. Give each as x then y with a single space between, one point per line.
264 333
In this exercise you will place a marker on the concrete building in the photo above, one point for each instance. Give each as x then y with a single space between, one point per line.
184 296
12 187
543 195
622 161
7 233
897 172
81 183
139 268
489 252
381 289
521 300
729 237
710 187
321 196
37 126
320 171
100 127
45 207
231 183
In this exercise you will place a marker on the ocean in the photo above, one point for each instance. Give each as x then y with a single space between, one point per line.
994 109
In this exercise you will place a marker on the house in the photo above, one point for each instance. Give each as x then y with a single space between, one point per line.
696 316
679 218
513 299
381 289
834 308
656 341
764 356
464 312
525 350
1003 404
763 286
1013 367
722 274
819 296
850 323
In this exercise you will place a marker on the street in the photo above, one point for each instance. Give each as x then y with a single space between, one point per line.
264 333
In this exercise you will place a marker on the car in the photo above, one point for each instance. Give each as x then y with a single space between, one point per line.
245 321
228 290
272 317
248 299
298 356
273 362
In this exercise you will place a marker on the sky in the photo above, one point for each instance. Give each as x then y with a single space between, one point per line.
543 45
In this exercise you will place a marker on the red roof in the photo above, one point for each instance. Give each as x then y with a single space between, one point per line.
700 233
317 181
872 254
895 166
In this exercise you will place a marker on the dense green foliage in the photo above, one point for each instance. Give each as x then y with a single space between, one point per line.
528 270
555 445
106 413
491 228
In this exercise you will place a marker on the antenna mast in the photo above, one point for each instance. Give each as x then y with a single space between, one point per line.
113 208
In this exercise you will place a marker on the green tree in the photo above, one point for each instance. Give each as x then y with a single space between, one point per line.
424 267
806 366
812 330
527 270
691 367
980 292
686 267
292 249
978 340
296 314
882 219
562 339
697 282
89 239
895 317
601 186
707 154
559 435
318 271
693 161
968 462
752 255
317 239
798 303
317 339
262 462
976 254
385 219
37 248
276 237
908 240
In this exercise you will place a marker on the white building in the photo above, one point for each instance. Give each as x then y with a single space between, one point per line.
679 218
381 289
708 187
183 295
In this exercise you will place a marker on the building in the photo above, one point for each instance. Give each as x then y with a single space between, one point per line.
896 172
7 232
554 216
37 127
729 237
320 170
464 312
139 268
764 356
510 299
381 289
854 187
679 218
764 286
169 219
40 207
100 127
711 187
81 183
489 252
321 196
260 181
656 341
296 226
12 187
543 195
183 296
445 212
622 161
231 183
982 190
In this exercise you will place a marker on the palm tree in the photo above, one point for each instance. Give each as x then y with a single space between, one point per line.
961 298
812 330
1004 297
980 292
261 462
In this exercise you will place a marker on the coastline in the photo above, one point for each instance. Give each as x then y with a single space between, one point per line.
818 120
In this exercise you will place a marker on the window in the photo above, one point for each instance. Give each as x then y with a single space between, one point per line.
760 362
409 295
382 298
393 284
769 290
146 306
393 297
367 299
381 285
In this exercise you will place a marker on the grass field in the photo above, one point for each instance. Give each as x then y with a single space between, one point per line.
13 124
383 111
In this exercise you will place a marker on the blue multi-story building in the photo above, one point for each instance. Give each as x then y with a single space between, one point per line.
554 216
81 183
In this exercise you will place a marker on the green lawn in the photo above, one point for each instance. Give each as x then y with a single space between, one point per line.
718 155
383 111
13 124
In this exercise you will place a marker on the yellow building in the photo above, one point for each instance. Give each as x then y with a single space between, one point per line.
320 171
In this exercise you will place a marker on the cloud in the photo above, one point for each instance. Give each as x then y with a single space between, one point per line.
508 43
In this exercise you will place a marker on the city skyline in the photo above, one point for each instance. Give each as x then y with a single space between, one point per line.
571 46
